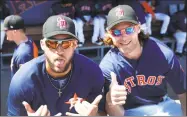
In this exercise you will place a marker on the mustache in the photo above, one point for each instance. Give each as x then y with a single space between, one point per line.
60 58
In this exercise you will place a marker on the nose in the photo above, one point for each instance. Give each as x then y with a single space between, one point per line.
59 50
123 36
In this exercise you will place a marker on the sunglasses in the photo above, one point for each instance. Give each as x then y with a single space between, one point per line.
53 43
127 31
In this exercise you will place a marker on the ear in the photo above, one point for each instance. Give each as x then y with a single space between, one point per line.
42 44
74 44
138 28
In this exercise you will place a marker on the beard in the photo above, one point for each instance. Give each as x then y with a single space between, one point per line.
56 69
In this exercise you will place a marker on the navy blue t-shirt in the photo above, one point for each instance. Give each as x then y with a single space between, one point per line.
23 53
145 78
32 84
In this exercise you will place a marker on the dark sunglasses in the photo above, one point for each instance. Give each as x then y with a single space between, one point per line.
53 43
127 31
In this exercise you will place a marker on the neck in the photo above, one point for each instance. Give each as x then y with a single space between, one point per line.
57 75
21 38
135 54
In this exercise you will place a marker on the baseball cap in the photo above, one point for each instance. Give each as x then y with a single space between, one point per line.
58 24
121 13
13 22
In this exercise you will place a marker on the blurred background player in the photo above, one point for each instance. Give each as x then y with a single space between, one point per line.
151 7
26 48
102 9
85 12
178 28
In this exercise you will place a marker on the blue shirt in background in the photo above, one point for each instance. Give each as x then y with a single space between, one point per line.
23 53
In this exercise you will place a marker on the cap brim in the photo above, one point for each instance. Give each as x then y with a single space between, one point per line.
119 21
60 32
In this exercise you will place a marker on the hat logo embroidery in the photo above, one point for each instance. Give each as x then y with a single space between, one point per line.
119 12
61 22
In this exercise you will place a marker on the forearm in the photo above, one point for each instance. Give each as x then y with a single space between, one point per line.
182 98
113 110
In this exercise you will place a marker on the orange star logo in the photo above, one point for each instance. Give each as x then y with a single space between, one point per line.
74 100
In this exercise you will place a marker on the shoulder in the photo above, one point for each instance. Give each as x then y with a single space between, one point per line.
110 57
25 48
27 70
109 61
24 85
26 78
86 66
83 61
161 48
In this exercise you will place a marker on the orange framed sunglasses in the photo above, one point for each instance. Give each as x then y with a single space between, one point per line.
53 43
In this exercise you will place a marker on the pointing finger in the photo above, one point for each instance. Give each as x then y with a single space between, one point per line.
97 100
27 107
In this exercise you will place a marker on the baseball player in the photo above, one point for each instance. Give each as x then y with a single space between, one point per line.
26 49
66 8
137 69
102 9
85 12
178 28
59 80
153 14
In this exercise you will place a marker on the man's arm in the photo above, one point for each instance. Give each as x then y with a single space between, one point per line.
182 98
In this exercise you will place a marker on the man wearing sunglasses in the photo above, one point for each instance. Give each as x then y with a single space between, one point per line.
137 70
59 80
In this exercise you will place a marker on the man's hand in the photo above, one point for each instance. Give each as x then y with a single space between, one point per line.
85 108
42 110
117 93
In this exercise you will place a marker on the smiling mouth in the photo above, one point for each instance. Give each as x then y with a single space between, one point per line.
126 43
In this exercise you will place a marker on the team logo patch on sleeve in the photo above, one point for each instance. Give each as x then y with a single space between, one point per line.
61 22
